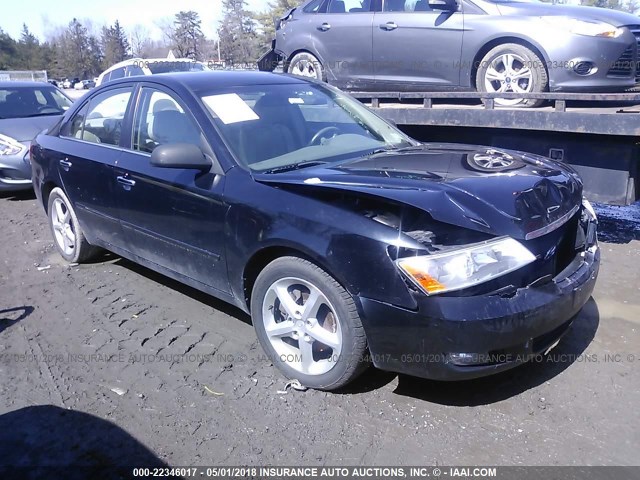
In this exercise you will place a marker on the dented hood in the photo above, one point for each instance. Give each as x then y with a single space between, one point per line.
498 191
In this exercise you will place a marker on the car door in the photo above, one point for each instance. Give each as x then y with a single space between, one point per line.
342 36
173 218
87 150
416 46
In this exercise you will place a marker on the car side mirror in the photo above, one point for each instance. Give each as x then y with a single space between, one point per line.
446 5
180 155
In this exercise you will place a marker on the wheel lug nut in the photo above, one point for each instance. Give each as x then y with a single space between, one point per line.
307 338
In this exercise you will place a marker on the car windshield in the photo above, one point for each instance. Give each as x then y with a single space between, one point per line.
276 127
21 102
175 66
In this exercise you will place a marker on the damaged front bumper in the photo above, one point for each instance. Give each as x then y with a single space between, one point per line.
458 338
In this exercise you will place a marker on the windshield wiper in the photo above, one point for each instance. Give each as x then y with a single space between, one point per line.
392 149
294 166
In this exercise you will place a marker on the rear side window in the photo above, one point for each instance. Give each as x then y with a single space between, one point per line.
101 120
313 7
133 70
117 73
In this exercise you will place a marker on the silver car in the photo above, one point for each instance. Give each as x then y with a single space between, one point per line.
26 108
484 45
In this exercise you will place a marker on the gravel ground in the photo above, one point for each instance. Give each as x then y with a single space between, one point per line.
111 363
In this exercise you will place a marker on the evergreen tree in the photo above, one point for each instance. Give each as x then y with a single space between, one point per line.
115 46
237 33
187 37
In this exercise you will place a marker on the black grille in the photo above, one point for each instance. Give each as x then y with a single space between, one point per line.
635 29
623 66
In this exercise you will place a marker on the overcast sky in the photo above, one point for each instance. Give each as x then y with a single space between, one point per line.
45 16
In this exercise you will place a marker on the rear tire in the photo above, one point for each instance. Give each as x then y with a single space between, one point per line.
306 65
512 68
294 303
68 236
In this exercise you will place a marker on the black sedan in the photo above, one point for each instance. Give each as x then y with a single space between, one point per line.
347 241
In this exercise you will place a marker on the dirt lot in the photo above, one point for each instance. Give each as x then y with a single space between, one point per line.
170 375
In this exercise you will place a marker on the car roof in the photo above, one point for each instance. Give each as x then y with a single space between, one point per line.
204 81
25 84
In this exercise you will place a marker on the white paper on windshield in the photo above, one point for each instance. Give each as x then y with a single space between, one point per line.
230 108
295 100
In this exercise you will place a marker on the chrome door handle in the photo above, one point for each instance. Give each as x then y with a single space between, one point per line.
389 26
324 27
65 164
126 183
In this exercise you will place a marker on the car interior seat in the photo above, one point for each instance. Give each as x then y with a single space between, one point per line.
87 136
172 126
279 130
20 104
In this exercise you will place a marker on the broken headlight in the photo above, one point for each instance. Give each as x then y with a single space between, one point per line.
464 267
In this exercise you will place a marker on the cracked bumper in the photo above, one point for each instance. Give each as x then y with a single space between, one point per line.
458 338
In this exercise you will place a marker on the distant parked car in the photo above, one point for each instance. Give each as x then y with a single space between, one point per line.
26 108
84 85
484 45
69 83
149 66
53 82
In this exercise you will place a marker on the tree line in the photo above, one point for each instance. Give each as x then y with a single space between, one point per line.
79 50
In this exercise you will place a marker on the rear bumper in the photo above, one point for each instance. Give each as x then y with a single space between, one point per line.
457 338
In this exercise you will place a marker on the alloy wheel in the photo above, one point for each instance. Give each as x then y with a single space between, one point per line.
304 68
63 228
302 326
508 73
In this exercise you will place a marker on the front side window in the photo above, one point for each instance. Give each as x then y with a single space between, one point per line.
77 123
406 6
270 127
161 120
22 102
101 121
349 6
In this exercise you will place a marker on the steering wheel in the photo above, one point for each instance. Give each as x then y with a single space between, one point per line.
322 133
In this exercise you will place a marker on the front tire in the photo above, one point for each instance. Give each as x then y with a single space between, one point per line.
512 68
306 65
308 324
67 234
